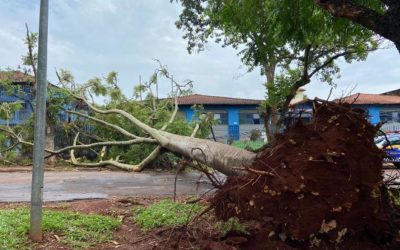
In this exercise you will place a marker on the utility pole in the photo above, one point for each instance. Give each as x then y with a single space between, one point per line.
40 126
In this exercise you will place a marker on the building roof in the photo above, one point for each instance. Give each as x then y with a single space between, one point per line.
361 98
16 77
207 99
393 92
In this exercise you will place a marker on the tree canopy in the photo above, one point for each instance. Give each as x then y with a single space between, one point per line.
380 16
266 30
292 41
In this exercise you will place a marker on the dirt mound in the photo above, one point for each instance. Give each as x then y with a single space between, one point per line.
320 185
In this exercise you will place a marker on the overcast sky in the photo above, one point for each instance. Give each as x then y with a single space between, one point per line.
93 37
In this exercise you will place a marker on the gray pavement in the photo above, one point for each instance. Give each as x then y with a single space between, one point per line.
72 185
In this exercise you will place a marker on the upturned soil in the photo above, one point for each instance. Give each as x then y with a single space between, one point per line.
319 186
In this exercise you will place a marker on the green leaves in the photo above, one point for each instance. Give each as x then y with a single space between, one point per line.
297 39
273 31
8 109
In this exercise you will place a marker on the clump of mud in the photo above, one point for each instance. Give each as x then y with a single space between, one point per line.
320 186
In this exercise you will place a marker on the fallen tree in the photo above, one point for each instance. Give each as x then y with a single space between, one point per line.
224 158
320 185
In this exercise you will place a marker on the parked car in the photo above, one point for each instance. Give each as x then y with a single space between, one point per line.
390 144
388 140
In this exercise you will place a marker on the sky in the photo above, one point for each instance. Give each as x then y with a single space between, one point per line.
93 37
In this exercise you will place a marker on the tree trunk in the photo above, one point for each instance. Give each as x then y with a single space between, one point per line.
226 159
270 112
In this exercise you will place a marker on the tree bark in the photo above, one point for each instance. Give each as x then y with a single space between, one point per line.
270 112
226 159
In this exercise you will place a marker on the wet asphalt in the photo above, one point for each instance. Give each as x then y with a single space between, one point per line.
74 185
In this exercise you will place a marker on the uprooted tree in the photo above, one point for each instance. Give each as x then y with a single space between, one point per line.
319 185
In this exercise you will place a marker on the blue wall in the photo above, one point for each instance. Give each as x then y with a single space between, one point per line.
232 110
26 97
233 115
373 110
373 114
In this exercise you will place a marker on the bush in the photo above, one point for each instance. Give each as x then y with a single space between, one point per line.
255 134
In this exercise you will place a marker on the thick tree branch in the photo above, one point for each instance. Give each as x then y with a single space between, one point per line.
84 146
153 132
117 128
386 25
111 162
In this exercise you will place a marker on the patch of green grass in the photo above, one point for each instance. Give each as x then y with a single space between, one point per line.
74 229
165 213
232 224
253 145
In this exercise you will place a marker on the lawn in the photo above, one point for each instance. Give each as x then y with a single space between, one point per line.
253 145
165 213
79 231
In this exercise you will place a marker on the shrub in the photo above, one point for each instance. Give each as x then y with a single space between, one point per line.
255 134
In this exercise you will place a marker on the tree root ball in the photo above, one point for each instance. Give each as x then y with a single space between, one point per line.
320 185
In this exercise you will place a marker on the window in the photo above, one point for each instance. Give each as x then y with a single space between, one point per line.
220 115
222 118
389 116
249 117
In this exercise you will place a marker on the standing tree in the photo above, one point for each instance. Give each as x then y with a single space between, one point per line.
290 49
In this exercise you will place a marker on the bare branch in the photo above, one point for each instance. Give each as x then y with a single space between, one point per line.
30 50
117 128
84 146
115 163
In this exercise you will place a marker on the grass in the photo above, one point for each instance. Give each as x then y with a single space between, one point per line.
248 144
79 231
165 213
232 224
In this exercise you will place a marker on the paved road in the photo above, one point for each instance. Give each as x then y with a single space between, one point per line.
63 186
